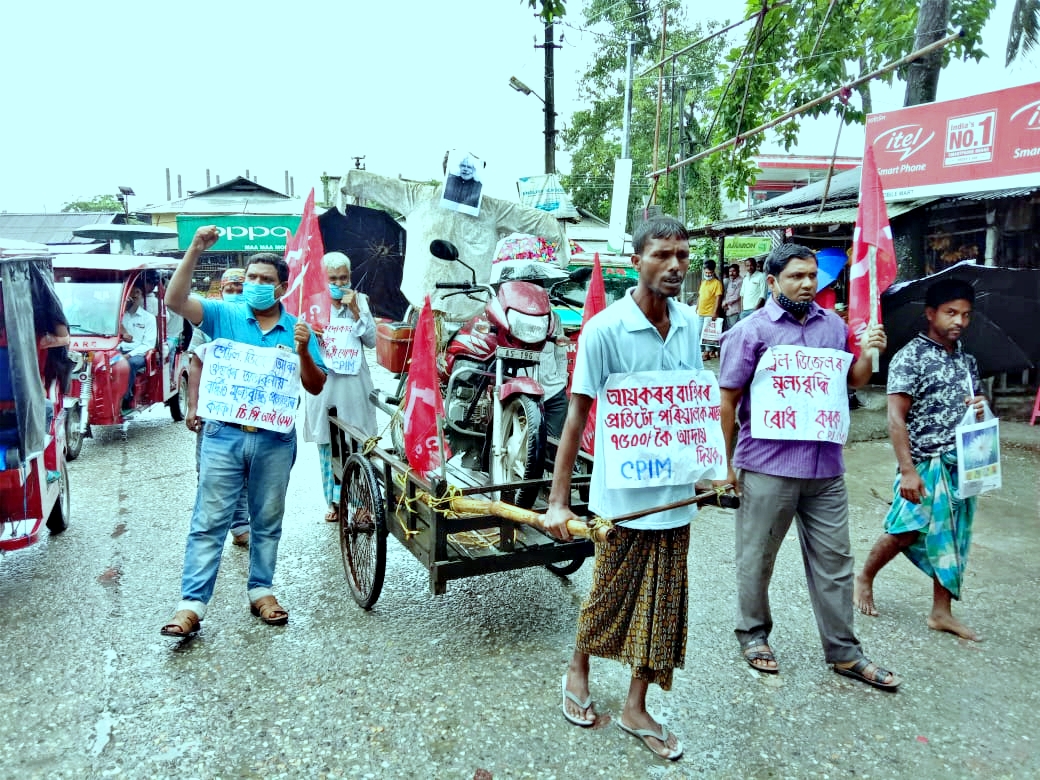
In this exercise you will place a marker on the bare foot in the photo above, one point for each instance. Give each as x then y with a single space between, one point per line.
952 625
643 720
863 597
577 685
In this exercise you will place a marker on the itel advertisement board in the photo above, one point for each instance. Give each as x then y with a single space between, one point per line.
973 144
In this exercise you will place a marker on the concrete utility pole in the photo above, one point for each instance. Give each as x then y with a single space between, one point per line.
626 122
550 103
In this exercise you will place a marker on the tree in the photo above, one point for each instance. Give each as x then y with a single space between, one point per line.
551 9
1024 32
97 203
807 48
593 136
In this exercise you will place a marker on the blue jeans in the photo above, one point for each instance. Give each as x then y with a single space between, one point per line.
136 366
229 458
240 524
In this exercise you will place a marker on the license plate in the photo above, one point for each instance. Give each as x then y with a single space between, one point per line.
508 353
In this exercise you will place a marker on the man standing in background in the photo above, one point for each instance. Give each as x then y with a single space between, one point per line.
753 289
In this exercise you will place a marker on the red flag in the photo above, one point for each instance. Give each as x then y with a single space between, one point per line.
872 240
595 302
422 399
308 294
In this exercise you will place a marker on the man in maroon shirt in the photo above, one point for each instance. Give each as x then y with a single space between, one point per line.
783 479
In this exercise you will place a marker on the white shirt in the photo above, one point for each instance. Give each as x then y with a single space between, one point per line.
754 290
621 340
141 327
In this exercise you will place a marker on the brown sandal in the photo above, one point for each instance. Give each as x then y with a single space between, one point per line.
185 624
332 516
270 611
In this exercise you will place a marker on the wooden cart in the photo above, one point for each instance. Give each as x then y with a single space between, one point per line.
380 496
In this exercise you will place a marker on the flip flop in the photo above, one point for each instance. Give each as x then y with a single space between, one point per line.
858 672
584 705
663 734
751 653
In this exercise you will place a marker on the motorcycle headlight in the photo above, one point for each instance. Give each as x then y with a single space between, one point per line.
528 328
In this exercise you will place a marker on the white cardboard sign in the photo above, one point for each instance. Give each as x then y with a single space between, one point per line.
342 349
250 385
799 394
661 428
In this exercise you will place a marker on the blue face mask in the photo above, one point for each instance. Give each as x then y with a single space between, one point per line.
260 297
337 292
231 297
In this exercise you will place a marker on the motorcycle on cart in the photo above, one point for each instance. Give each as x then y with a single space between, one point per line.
493 422
34 481
94 290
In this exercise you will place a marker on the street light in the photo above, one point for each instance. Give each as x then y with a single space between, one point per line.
550 125
520 86
124 198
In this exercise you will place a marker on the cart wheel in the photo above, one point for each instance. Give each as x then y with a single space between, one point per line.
58 520
563 568
524 446
178 403
362 531
73 435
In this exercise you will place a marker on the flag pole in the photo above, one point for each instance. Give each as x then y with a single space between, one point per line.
872 275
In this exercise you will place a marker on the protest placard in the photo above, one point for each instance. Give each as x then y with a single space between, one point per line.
799 394
249 385
661 428
342 352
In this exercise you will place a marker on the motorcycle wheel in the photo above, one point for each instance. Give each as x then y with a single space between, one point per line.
523 442
73 435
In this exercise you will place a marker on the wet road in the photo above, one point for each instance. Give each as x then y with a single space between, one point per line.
442 686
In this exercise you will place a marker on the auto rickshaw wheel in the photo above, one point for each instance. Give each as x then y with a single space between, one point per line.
58 520
73 435
179 403
362 530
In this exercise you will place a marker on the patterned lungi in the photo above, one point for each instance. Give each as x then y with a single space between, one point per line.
635 612
942 520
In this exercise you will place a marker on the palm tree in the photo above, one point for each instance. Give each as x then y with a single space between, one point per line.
1024 33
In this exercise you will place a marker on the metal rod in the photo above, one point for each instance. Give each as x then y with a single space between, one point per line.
942 42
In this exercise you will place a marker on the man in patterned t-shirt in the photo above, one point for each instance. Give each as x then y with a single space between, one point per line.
931 382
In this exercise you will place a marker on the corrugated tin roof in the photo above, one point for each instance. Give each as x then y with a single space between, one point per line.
844 185
53 228
1016 192
836 216
237 196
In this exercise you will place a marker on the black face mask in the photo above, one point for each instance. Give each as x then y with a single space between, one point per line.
798 308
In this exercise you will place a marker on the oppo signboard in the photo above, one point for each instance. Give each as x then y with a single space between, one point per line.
241 232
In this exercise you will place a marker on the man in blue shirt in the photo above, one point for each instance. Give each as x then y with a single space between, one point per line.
234 453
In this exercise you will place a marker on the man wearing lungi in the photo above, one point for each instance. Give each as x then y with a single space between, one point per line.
928 382
636 610
796 478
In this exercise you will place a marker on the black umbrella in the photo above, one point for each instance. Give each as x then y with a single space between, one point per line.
1004 334
374 242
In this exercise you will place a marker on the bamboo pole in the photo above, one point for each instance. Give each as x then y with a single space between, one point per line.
915 55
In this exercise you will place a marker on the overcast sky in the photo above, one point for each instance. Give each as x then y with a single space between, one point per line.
102 95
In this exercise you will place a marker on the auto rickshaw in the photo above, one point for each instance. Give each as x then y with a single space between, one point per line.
34 371
94 290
